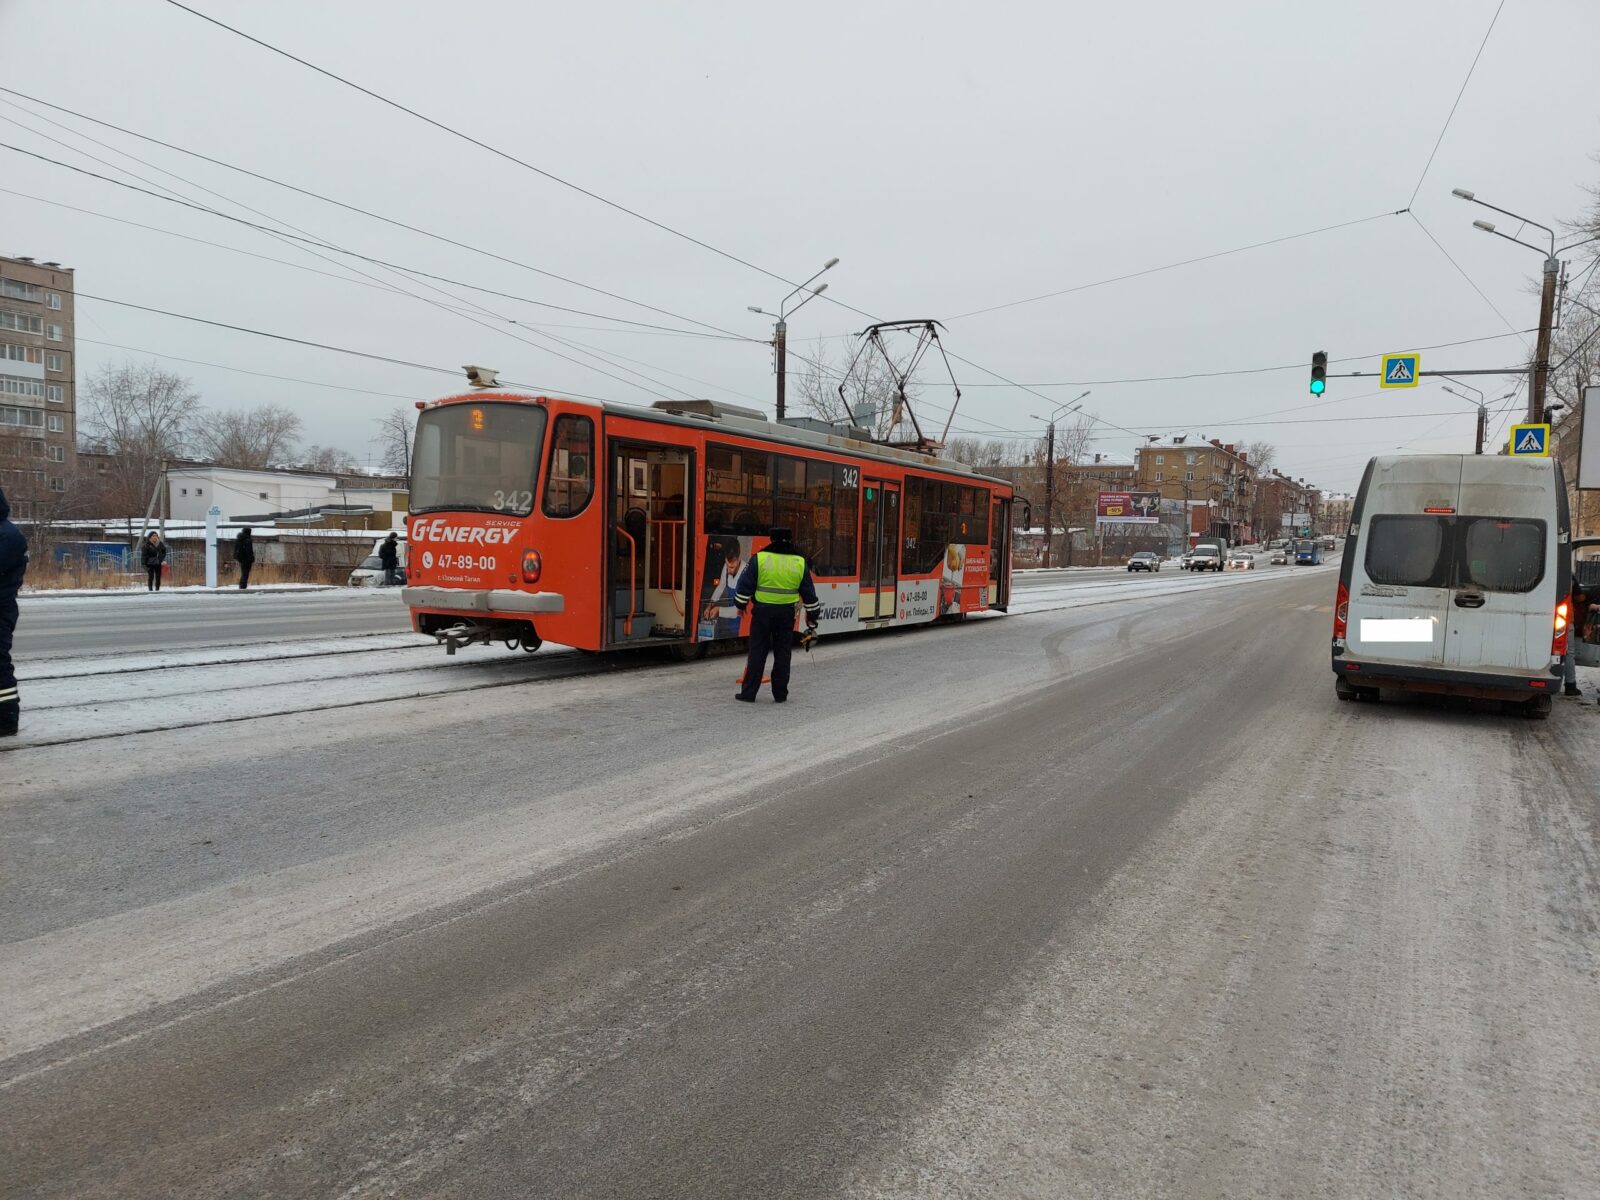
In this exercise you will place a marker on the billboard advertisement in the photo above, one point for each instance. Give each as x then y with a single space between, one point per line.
1128 508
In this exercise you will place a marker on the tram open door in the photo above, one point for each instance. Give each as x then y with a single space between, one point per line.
649 567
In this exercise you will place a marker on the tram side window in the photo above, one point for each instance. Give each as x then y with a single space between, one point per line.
571 479
794 507
937 515
845 502
738 490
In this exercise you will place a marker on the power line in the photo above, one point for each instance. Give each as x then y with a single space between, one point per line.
318 242
439 237
638 328
196 362
281 337
1462 271
1175 265
1439 141
482 145
1240 371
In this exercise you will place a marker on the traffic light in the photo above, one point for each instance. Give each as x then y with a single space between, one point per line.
1319 372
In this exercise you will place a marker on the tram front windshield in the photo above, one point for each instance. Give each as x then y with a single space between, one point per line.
477 458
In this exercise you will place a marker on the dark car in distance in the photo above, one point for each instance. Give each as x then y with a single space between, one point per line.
1144 561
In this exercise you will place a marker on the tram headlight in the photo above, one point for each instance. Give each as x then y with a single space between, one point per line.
532 566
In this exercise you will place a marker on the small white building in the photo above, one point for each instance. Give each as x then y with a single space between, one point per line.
194 487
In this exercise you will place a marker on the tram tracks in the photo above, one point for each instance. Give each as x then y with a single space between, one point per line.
154 693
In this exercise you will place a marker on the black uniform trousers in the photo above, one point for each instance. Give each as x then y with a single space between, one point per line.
771 631
10 706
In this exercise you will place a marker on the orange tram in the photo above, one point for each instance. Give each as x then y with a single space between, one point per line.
604 526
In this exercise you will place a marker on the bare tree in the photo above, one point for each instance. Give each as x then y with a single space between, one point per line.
396 431
870 397
328 459
250 437
140 416
1262 455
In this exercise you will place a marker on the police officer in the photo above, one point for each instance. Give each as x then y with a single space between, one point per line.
777 579
13 565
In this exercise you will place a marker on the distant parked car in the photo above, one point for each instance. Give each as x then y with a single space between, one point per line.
1144 561
1241 560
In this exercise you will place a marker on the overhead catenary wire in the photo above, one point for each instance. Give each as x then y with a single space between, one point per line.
313 241
196 362
453 372
1172 266
1439 141
439 237
485 146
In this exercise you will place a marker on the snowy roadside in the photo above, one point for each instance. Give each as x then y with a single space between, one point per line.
32 596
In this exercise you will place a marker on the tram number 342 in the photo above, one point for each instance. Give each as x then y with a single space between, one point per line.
466 562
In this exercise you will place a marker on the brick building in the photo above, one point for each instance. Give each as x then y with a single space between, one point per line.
1215 480
38 390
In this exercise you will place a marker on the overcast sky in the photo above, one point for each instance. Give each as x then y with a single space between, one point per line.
954 156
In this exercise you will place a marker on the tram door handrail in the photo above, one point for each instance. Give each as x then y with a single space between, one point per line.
633 581
668 566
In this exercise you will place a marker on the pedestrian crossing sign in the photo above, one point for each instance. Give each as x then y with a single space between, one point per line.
1530 441
1400 370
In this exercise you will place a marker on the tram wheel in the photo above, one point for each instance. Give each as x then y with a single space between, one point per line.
688 651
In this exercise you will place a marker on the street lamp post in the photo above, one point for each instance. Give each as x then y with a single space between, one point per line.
1050 473
1547 297
1483 411
780 331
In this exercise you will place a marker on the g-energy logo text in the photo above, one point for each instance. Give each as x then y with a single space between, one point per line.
440 530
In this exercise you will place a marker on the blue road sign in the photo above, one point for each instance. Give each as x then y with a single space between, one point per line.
1400 370
1530 441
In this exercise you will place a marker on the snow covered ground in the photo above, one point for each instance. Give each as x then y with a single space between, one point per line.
89 697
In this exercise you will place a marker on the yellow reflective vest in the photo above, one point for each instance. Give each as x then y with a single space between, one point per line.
778 577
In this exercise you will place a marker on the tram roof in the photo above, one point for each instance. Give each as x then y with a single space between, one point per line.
750 422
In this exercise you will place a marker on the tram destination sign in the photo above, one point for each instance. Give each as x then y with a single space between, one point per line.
1128 508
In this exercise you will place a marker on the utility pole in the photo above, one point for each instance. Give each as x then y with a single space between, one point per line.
780 331
780 343
1483 430
1541 354
1049 490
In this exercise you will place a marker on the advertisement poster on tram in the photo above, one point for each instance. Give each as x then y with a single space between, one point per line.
1128 508
725 556
964 582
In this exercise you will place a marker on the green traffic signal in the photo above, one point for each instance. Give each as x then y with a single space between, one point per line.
1319 372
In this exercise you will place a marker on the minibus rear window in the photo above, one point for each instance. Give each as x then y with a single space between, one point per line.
1409 551
1500 554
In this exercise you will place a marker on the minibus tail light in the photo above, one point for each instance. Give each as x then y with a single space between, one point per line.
1341 612
1558 638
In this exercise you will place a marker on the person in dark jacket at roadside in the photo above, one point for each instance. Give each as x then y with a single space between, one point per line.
13 566
389 559
244 553
776 579
153 553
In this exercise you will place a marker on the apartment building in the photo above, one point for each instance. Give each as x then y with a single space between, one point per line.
1203 472
38 384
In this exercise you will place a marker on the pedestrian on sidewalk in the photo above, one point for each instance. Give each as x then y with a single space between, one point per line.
777 578
244 553
389 559
1577 617
13 566
153 553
